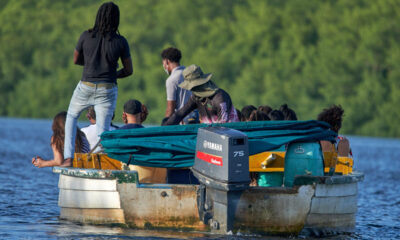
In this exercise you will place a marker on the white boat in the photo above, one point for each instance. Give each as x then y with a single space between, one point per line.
320 204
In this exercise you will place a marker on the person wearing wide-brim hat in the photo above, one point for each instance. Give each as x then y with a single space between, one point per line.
214 104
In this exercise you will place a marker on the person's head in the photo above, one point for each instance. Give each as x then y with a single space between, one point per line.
332 115
265 109
276 115
171 58
91 115
144 113
107 19
58 128
258 116
239 113
132 111
288 113
197 82
246 112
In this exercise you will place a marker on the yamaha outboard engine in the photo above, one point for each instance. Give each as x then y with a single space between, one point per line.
222 167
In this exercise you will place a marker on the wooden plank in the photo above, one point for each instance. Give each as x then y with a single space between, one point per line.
336 190
88 199
93 215
330 220
334 205
85 184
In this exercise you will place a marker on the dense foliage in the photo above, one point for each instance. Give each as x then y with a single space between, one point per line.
309 54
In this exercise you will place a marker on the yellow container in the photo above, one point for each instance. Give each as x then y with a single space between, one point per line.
275 162
267 162
342 165
96 161
102 161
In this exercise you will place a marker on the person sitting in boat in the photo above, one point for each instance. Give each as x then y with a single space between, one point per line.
132 115
276 115
91 130
57 144
176 97
333 115
288 113
213 103
239 113
258 116
246 112
265 108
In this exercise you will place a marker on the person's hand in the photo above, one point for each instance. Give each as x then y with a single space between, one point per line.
37 161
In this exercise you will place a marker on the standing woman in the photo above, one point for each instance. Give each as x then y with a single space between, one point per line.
98 50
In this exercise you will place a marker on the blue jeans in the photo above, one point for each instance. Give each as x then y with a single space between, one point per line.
103 100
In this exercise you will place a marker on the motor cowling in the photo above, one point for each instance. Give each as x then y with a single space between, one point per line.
222 168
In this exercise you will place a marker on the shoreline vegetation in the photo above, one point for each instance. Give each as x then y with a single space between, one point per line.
308 54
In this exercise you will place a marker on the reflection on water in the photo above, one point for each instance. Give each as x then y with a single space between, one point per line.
28 196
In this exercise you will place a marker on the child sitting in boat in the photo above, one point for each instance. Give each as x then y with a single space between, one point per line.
57 144
276 115
265 109
333 115
246 112
288 113
258 116
91 130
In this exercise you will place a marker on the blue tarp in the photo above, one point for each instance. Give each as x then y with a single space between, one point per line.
174 146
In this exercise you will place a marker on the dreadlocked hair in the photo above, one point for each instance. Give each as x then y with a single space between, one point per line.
107 19
58 128
332 115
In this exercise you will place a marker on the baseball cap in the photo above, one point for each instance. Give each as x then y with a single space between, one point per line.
133 106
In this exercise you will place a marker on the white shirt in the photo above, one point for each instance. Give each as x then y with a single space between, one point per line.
91 135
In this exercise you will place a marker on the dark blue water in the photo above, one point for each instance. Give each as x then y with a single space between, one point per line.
28 196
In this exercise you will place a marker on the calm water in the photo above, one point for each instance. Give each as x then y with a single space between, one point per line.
28 196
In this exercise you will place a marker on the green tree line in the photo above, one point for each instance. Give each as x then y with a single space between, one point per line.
309 54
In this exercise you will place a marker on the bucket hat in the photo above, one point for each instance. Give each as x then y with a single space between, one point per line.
193 77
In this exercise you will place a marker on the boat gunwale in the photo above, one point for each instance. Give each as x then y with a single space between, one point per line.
131 176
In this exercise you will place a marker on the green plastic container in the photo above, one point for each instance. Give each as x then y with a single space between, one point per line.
270 179
303 159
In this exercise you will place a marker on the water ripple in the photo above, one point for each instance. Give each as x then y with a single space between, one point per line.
29 196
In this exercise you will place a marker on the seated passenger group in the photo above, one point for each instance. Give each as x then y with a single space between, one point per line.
192 97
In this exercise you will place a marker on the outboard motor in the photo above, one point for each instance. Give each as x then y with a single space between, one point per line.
222 168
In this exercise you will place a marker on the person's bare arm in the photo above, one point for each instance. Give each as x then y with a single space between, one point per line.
181 113
127 70
58 160
78 58
171 105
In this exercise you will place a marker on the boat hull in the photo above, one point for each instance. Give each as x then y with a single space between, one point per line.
116 197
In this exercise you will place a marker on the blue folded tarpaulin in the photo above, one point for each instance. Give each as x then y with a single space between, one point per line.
174 146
